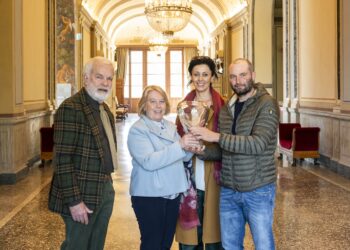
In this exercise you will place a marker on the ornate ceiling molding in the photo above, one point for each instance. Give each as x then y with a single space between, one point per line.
112 15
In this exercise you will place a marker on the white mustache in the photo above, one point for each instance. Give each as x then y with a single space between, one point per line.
104 90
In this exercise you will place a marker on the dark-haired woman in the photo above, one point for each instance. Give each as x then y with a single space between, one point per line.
202 227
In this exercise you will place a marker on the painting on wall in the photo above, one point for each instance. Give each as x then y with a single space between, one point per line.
65 43
63 91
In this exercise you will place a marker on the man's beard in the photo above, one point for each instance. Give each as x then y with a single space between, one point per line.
97 95
245 90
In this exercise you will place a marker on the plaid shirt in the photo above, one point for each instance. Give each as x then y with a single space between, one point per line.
78 156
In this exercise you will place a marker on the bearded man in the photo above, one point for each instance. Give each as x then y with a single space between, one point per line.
245 142
84 157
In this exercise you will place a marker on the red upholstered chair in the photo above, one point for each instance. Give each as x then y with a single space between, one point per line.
121 111
298 142
46 144
286 134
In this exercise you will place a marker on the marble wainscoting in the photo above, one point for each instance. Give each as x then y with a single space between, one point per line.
334 137
20 144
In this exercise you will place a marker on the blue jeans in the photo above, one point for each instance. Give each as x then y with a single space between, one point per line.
255 208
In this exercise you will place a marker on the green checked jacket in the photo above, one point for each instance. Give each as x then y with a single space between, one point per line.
78 156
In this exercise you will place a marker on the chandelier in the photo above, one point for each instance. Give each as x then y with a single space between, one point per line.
158 44
168 16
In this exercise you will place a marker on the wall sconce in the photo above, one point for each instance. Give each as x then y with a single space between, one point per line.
220 54
219 62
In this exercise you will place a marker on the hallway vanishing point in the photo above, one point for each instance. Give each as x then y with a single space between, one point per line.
312 209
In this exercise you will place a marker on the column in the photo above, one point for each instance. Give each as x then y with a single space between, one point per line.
293 60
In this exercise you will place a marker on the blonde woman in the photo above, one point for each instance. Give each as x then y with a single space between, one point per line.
158 176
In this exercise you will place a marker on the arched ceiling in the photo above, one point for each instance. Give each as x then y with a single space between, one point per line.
124 20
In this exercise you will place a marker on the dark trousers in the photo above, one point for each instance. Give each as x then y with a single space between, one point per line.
157 218
91 236
200 211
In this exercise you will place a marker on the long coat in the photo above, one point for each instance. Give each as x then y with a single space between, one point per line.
78 155
211 220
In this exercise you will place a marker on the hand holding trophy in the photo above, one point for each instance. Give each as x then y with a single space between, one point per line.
191 114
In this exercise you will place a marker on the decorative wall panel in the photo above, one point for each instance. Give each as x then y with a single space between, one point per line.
65 43
334 138
345 143
20 141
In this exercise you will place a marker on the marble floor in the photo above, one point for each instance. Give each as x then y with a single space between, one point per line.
312 209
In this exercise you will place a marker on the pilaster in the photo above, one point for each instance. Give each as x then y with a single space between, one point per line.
291 101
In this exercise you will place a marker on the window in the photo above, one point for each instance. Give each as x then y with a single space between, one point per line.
155 69
176 74
149 68
136 73
127 82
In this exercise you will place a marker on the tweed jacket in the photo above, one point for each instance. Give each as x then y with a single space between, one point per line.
157 159
78 155
247 157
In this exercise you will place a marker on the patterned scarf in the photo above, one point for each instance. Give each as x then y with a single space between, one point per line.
188 216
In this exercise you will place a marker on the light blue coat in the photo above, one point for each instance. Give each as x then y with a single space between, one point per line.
157 159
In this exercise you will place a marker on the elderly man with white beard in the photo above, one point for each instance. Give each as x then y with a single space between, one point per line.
84 157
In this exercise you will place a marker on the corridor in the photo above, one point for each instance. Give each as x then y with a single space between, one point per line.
312 209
